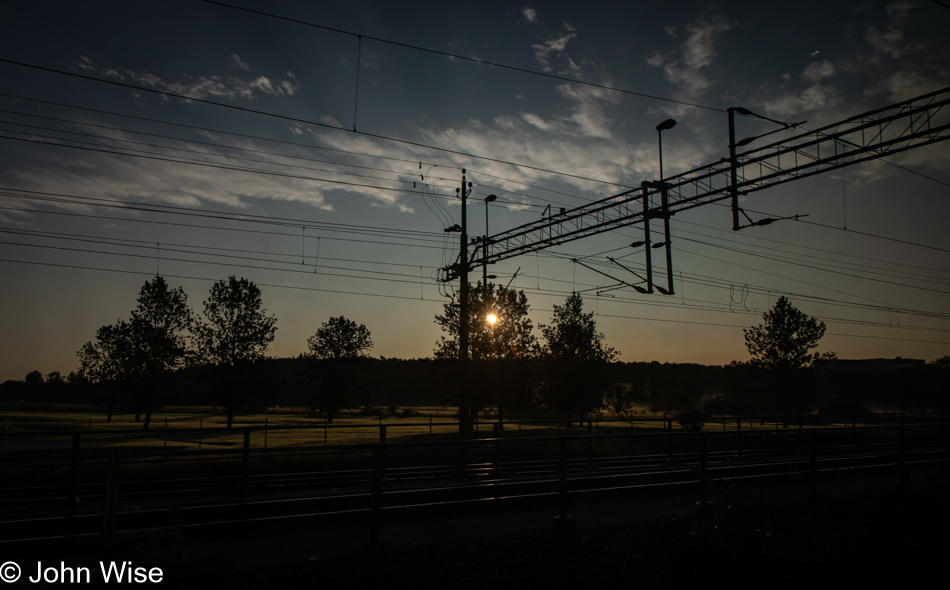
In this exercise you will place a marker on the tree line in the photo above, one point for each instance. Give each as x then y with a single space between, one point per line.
165 354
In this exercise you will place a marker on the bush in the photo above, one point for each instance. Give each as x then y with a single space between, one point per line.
409 413
392 410
370 411
692 420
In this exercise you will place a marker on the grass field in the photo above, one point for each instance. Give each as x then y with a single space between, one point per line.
205 428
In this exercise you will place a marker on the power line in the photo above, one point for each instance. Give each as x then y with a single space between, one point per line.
415 298
837 272
462 57
299 120
803 247
212 227
218 145
213 214
213 130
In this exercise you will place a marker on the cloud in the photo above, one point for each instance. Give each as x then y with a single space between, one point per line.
201 86
530 14
536 121
684 70
237 61
555 45
885 67
818 70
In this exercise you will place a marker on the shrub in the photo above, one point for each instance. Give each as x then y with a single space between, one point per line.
370 411
692 420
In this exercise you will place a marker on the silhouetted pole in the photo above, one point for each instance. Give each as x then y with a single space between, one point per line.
665 204
646 235
733 173
488 199
74 468
563 521
465 419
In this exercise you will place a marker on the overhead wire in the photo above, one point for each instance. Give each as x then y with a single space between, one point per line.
465 58
305 121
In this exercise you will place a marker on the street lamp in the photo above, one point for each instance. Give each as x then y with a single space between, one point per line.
488 199
665 125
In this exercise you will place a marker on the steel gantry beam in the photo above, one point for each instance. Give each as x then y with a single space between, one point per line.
899 127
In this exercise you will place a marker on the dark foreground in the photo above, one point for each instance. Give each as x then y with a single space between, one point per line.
862 533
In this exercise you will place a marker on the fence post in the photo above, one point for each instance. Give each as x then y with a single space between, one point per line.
74 468
246 458
703 474
111 497
901 484
382 434
164 433
430 425
376 496
814 495
669 447
265 432
738 423
590 445
854 432
801 433
201 424
563 522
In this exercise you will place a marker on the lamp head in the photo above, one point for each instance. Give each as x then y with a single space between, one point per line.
668 124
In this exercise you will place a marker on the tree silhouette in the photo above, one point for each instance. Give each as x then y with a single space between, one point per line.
235 332
575 354
108 362
337 342
340 338
781 346
784 340
141 352
572 334
509 337
159 323
498 349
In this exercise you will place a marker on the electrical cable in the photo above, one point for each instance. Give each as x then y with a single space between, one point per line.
305 121
462 57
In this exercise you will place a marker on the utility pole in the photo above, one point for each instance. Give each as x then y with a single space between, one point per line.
646 235
665 204
733 173
465 393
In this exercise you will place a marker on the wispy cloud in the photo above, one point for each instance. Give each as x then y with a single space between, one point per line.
237 61
530 14
229 87
891 68
684 69
554 46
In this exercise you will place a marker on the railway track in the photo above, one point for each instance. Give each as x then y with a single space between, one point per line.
221 505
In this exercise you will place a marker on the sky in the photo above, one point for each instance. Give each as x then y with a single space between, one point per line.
321 162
